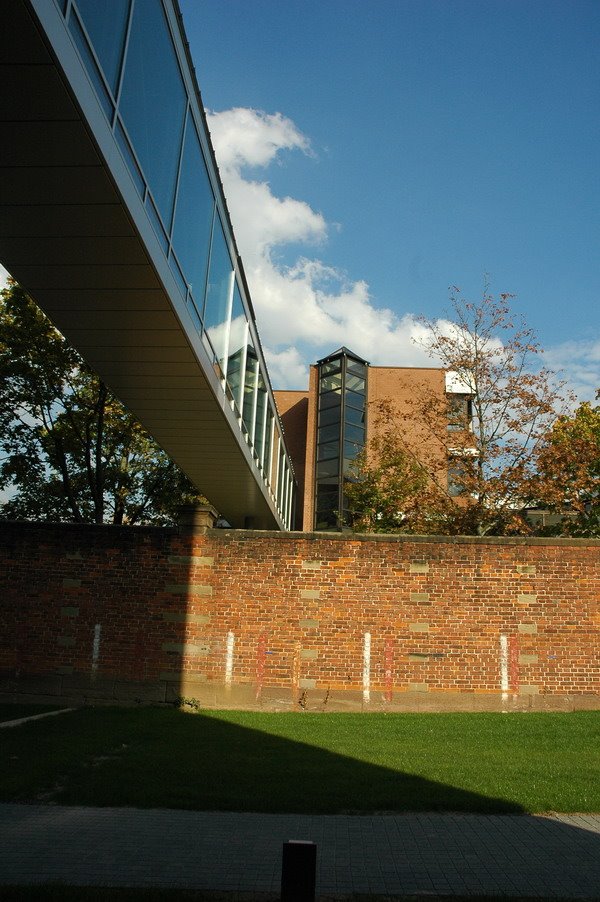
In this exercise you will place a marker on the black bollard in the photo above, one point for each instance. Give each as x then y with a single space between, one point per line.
298 871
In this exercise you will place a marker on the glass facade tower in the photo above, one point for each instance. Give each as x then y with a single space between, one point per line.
341 411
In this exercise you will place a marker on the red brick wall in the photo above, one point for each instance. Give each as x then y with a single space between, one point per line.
244 617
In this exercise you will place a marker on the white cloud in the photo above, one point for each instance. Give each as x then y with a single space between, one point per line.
307 309
579 364
246 137
308 303
287 368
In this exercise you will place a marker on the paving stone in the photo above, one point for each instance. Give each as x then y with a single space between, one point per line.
449 854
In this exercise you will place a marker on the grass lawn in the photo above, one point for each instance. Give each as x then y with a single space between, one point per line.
301 762
14 712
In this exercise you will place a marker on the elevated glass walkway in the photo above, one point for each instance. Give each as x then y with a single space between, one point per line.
113 218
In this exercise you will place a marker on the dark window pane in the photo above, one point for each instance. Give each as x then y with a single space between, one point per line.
194 314
354 399
261 409
193 215
250 387
328 433
178 275
355 417
330 399
153 101
351 449
327 417
267 442
327 468
280 474
218 294
457 470
106 22
354 433
327 498
349 468
327 450
330 481
90 64
359 369
460 412
238 331
355 383
326 520
331 382
157 225
331 367
123 142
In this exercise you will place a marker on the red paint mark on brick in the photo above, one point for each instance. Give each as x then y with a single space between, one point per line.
389 662
261 654
513 663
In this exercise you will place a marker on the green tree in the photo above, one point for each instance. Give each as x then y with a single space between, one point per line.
567 481
69 450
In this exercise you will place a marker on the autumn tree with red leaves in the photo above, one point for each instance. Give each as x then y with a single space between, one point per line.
482 436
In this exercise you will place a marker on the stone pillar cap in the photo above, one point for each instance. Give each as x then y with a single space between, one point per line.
197 516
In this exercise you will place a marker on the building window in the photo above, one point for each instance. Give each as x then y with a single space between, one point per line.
106 25
460 412
455 476
153 102
462 463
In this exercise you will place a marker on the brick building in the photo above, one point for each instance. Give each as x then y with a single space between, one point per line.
328 425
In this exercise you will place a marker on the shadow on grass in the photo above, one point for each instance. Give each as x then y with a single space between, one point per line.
155 758
161 758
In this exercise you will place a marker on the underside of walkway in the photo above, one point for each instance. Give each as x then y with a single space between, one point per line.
76 234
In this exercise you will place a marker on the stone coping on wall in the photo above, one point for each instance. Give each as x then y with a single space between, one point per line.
404 538
247 534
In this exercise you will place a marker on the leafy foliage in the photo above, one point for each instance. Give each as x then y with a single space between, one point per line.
478 444
568 477
389 483
69 449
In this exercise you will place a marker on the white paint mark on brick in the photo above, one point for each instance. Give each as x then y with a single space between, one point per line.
504 684
367 668
96 649
229 658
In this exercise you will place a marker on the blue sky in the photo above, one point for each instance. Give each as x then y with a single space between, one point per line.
375 152
418 144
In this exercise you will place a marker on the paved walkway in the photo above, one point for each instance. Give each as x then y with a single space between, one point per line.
382 854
